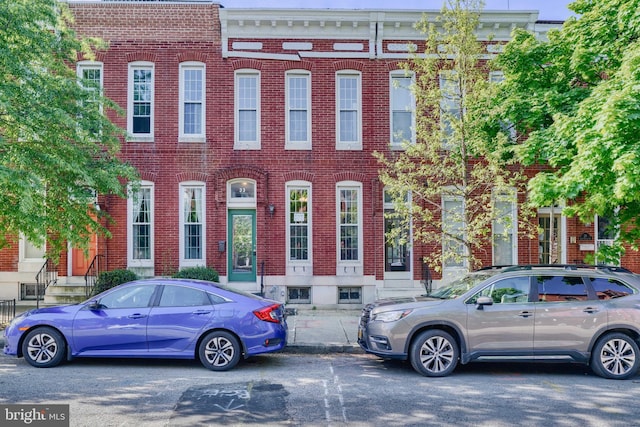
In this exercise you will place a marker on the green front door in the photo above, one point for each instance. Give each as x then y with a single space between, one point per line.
242 245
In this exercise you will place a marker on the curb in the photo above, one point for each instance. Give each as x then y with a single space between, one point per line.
322 349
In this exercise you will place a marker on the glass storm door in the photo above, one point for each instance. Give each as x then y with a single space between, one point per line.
242 245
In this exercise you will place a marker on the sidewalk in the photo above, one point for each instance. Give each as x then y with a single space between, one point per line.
316 331
323 331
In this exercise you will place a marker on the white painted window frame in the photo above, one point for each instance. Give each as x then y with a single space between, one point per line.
196 262
357 143
140 137
199 136
290 143
249 144
138 262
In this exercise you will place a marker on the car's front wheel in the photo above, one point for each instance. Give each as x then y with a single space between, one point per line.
44 347
615 356
434 353
219 351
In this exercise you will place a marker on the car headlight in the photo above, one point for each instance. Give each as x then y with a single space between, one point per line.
391 316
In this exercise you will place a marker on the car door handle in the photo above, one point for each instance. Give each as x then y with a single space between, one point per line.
137 316
525 314
202 312
590 310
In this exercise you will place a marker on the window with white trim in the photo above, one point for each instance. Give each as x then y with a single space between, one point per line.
298 109
140 208
349 222
349 110
403 108
192 102
192 224
350 295
497 77
450 102
140 104
241 193
453 249
299 222
90 75
504 229
247 109
29 251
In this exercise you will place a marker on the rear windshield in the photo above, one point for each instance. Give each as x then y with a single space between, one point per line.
238 291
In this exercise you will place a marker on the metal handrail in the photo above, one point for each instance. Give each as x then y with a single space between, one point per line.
48 275
91 276
7 311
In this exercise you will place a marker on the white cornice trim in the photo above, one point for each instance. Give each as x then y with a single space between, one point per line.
347 27
259 55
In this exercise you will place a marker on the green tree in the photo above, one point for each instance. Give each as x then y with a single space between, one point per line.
57 146
578 97
460 172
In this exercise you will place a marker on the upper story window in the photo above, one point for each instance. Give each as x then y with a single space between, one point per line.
497 77
298 110
349 222
140 103
192 224
247 110
450 104
90 75
140 206
403 108
349 110
192 102
299 221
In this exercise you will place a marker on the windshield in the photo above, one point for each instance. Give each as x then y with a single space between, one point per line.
458 287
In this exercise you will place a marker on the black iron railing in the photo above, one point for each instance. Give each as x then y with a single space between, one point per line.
48 275
91 276
427 280
7 311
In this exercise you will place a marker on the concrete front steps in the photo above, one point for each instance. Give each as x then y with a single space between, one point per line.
66 291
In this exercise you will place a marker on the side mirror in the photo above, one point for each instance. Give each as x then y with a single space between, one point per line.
94 305
482 301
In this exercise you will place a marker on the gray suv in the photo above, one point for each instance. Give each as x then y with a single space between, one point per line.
567 313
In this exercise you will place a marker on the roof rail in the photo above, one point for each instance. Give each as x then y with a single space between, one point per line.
612 268
495 267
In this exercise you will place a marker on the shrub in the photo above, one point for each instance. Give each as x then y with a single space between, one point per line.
200 273
109 279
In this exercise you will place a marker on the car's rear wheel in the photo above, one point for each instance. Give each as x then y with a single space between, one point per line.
219 351
43 347
615 356
434 353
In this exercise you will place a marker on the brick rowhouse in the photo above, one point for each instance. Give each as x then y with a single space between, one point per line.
297 256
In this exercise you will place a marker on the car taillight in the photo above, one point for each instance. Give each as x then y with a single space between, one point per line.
268 314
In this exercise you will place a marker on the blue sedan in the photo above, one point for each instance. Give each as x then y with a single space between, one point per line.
153 318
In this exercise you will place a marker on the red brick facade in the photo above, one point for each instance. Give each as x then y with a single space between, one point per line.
168 34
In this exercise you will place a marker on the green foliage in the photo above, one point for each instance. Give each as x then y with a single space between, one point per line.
461 154
57 146
109 279
578 94
199 273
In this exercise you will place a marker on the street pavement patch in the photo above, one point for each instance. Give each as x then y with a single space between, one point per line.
230 404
